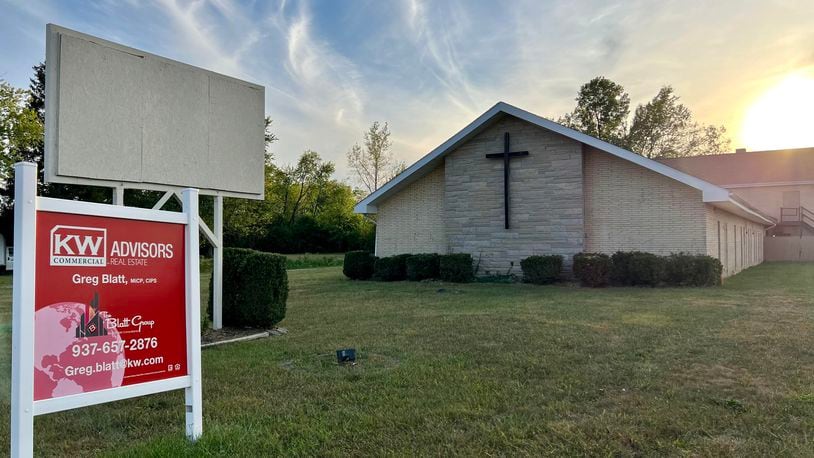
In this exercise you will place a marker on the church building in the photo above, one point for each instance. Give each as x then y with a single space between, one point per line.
513 184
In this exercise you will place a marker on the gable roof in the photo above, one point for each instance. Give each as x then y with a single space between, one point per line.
753 168
710 192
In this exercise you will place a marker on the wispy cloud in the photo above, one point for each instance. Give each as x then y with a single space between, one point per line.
195 31
428 67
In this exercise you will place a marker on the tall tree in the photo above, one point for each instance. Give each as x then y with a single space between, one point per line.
269 139
20 129
602 110
308 177
663 127
374 163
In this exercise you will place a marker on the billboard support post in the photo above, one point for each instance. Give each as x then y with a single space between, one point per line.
192 394
118 195
22 340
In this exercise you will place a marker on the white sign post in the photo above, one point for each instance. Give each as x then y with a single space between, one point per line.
22 322
103 338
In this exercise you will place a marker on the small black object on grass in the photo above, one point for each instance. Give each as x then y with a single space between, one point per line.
347 355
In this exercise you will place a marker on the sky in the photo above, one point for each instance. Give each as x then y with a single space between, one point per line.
331 68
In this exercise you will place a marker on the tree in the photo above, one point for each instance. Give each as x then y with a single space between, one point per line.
663 127
602 110
307 178
20 130
374 163
269 139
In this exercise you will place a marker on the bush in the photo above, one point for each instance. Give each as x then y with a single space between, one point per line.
255 288
635 268
592 269
541 270
358 265
233 260
692 270
456 268
422 267
391 268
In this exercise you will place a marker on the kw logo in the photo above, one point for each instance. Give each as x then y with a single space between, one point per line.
78 246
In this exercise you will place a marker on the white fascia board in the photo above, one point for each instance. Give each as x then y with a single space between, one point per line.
736 208
710 192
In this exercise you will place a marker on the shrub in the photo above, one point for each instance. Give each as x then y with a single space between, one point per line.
635 268
358 265
592 269
684 269
255 288
391 268
233 259
456 268
541 270
422 266
263 300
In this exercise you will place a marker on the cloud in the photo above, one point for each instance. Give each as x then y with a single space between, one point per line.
195 33
429 67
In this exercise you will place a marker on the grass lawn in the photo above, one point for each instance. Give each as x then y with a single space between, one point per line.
485 369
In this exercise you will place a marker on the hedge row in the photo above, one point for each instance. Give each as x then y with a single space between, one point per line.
255 288
623 268
362 265
541 270
636 268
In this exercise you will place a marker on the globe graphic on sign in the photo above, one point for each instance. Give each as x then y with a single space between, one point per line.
65 364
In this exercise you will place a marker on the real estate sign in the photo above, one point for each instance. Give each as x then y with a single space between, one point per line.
106 306
110 305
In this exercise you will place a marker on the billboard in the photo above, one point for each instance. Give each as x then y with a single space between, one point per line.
121 117
110 306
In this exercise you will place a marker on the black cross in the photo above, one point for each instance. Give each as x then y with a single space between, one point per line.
506 155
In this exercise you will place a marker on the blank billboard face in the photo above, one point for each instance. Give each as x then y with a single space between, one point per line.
116 116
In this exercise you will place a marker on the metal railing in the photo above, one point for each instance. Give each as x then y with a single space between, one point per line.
797 215
807 217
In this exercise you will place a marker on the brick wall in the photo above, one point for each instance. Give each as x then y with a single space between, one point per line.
412 220
735 241
546 197
628 207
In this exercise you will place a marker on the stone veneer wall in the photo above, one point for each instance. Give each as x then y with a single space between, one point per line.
412 220
546 197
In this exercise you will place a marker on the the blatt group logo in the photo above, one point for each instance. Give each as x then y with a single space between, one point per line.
78 246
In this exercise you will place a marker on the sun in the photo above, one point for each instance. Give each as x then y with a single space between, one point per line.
783 116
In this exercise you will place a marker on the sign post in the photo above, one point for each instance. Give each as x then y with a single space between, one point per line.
106 306
192 394
22 336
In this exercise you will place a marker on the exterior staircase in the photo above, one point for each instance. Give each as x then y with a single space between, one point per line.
798 219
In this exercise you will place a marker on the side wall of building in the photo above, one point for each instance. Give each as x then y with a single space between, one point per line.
628 207
735 241
545 187
769 199
412 220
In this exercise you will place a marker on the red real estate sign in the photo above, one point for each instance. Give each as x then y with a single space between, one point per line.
110 305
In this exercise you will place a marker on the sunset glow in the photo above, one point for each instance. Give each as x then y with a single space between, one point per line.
783 116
